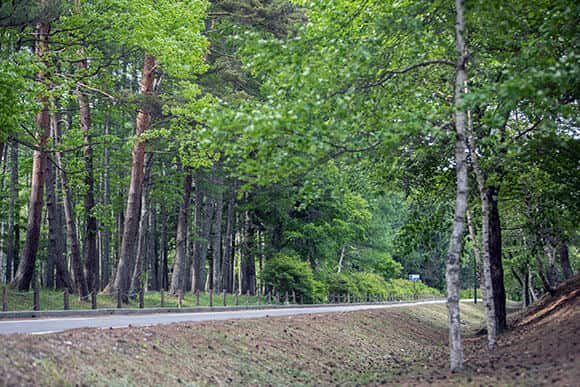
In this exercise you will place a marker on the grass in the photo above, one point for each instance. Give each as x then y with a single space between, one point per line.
54 300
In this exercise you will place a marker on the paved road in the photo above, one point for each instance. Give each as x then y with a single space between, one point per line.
51 325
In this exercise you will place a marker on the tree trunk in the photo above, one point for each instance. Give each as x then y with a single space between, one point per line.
105 250
141 253
203 216
565 260
495 259
476 251
216 238
26 265
456 240
228 255
77 265
248 263
178 278
13 211
56 239
122 280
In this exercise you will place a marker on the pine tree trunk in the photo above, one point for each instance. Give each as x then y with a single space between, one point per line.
228 255
126 263
12 212
56 241
248 263
69 215
26 265
203 215
105 250
141 252
456 240
178 278
216 239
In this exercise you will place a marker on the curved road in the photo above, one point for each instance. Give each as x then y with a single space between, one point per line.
51 325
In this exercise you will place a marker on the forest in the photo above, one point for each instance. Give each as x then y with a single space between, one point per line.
321 147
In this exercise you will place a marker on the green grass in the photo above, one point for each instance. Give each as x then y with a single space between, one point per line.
54 300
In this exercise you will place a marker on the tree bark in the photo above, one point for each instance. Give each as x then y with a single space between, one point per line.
12 212
26 265
56 238
178 278
122 280
105 250
216 238
69 215
495 256
228 251
203 215
456 240
565 260
248 263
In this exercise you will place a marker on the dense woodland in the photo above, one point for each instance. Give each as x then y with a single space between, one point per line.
316 146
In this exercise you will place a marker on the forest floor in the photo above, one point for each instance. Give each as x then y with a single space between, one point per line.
406 346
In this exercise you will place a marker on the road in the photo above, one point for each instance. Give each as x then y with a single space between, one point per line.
52 325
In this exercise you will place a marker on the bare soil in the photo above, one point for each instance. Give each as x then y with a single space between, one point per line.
391 346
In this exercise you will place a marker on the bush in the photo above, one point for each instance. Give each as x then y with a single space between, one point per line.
369 284
403 287
287 273
340 283
386 266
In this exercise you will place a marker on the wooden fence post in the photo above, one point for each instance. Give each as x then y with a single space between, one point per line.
293 296
269 297
196 297
301 298
66 299
248 297
36 298
286 299
211 298
237 298
142 297
5 299
162 297
119 301
179 298
259 297
225 298
94 299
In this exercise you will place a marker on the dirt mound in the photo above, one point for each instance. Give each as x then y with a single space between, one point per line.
553 306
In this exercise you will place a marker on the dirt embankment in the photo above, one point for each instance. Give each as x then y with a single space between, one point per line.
391 346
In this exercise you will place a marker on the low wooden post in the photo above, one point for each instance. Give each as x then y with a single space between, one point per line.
348 298
211 298
162 297
197 297
277 298
179 298
36 298
293 296
269 298
248 297
302 299
237 297
5 299
119 301
259 297
142 298
286 299
66 299
225 298
94 299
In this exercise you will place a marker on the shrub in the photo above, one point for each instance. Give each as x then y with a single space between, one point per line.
287 273
369 284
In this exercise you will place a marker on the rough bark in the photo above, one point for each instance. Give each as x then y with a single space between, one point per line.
26 265
105 250
495 259
456 240
565 260
228 251
56 238
178 278
216 238
12 212
126 263
248 263
69 215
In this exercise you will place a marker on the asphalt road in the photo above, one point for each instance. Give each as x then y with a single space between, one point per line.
51 325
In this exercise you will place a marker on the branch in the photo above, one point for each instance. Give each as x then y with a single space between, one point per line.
392 73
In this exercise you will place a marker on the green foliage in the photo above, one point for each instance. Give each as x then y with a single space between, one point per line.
287 273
